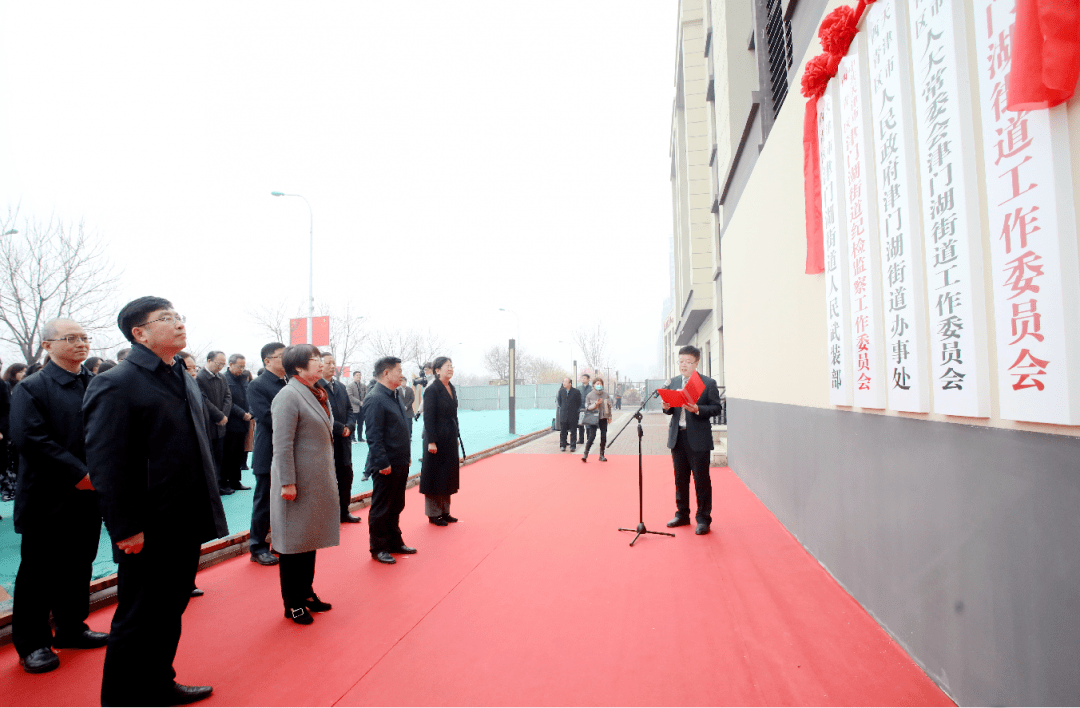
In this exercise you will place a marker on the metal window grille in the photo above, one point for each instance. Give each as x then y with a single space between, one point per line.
778 35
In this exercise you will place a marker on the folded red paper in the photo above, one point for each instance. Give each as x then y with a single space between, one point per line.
689 393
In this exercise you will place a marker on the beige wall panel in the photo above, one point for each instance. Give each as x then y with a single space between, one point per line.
774 314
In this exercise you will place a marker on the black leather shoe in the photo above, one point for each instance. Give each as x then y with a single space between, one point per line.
403 549
350 519
264 558
602 458
40 661
562 448
678 521
702 529
181 695
224 491
300 615
87 639
314 604
241 488
437 520
197 593
573 448
365 478
451 519
384 557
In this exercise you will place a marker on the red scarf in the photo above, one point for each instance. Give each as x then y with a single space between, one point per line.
320 395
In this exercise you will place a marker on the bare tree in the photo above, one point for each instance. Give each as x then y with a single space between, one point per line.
272 319
347 335
409 345
497 361
592 341
52 269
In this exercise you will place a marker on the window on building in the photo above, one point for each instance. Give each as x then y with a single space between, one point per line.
778 34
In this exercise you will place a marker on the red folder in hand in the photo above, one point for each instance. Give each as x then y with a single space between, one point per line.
689 393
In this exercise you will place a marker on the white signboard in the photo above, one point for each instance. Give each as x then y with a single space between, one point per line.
834 236
864 264
899 226
1036 277
950 209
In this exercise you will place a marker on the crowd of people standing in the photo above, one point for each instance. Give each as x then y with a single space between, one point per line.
150 445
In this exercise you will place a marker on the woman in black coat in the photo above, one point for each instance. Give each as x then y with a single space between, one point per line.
440 472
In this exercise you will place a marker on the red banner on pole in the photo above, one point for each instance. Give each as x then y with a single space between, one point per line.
320 331
298 330
345 371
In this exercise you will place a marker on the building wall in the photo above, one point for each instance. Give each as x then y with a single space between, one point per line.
958 534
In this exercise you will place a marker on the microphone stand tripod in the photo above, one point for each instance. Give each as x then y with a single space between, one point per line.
640 483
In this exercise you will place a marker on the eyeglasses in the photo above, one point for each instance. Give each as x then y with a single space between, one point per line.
72 338
167 319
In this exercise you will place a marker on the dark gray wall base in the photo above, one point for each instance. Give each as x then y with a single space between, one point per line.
963 542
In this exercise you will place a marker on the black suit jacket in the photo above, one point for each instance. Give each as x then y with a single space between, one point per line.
440 415
219 399
47 428
338 398
698 427
238 390
569 402
148 453
260 394
388 436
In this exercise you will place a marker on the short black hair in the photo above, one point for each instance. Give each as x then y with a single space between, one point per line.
385 364
135 312
691 350
122 353
92 362
297 356
427 365
268 350
233 358
440 362
105 366
586 376
213 353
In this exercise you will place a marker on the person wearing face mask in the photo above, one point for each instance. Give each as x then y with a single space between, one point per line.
597 415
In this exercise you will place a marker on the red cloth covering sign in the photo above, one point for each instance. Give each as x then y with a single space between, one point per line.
298 331
688 394
320 331
1045 54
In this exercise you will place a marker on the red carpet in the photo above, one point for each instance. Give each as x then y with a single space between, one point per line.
536 599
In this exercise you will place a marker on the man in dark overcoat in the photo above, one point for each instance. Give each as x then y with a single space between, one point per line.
236 429
149 459
219 401
569 402
260 393
388 457
690 441
585 388
56 507
341 406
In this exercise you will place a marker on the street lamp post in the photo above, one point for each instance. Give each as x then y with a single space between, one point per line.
512 364
311 261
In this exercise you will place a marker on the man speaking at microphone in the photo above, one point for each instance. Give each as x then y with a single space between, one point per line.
690 441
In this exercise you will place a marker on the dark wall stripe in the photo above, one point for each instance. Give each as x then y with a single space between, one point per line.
962 541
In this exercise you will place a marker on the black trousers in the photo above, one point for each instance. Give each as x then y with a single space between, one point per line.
297 574
260 515
592 434
567 428
358 425
232 457
687 462
387 503
54 576
217 447
580 434
154 589
344 475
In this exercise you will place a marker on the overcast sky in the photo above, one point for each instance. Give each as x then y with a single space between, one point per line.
459 157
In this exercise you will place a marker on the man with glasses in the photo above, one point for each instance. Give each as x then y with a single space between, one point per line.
56 508
261 393
219 399
149 459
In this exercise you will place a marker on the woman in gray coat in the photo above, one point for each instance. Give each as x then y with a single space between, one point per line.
303 488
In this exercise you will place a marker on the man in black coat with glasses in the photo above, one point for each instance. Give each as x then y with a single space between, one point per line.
150 460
